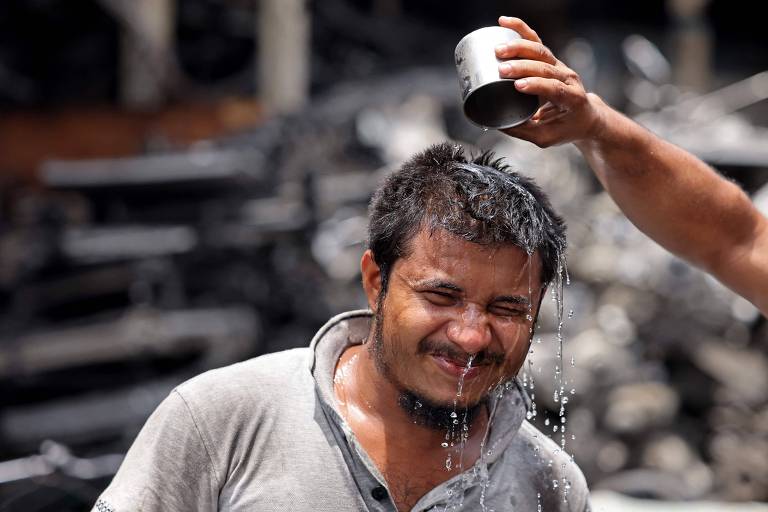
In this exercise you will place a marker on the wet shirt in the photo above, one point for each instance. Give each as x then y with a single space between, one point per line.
265 435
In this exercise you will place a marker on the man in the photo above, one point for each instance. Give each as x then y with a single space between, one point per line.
412 405
669 194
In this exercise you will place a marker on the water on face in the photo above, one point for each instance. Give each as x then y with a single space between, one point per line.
535 224
562 392
458 433
456 437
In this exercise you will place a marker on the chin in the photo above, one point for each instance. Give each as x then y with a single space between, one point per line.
437 414
449 399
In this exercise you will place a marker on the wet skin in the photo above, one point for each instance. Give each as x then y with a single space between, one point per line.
447 300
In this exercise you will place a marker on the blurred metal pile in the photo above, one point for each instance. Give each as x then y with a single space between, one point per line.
127 276
122 279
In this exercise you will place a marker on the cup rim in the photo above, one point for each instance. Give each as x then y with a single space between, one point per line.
485 29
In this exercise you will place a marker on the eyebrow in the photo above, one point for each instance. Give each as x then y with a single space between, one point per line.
514 299
438 283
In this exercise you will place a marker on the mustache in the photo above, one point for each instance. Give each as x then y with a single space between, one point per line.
450 351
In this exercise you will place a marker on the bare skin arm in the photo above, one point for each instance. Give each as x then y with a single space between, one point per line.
669 194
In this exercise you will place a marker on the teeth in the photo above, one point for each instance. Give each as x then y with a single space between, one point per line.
459 362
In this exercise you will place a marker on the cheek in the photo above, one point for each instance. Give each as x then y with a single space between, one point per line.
516 342
413 318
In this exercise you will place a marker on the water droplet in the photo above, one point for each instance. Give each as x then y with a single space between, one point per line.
453 414
444 445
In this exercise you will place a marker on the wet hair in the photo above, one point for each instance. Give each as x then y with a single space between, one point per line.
479 199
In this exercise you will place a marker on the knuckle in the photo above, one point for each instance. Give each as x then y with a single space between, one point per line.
512 48
553 71
560 91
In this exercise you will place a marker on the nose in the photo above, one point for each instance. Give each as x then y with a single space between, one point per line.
470 330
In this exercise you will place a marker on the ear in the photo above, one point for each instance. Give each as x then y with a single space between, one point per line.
371 279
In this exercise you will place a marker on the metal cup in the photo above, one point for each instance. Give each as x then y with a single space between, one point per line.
489 100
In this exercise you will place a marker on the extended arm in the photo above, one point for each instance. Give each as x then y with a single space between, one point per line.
668 193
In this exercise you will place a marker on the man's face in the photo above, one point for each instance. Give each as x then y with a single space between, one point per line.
450 299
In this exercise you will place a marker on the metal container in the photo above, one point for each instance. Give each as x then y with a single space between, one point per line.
489 100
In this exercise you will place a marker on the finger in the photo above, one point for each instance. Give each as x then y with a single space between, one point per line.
525 131
552 90
543 134
531 68
524 49
520 27
550 116
546 110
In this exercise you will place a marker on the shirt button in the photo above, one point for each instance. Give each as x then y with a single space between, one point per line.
379 493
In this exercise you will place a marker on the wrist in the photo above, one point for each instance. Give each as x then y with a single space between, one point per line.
609 129
596 129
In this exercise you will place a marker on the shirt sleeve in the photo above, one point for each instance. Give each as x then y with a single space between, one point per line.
168 467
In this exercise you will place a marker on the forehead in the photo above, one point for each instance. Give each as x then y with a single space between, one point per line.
438 254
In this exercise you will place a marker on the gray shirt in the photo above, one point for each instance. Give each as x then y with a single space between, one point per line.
265 434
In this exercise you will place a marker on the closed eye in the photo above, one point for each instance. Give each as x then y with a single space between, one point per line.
508 310
440 298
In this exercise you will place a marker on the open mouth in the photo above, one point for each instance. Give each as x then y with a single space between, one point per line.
457 367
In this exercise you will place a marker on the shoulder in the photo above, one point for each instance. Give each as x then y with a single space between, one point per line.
276 369
550 468
251 387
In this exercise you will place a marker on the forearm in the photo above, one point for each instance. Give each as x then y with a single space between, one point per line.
679 201
671 195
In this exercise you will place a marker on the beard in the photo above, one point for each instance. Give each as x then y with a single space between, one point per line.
420 409
428 414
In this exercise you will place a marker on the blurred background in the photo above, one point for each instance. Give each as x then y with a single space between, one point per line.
183 184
